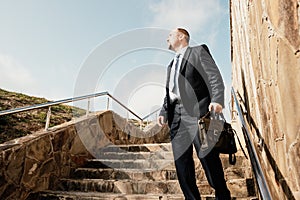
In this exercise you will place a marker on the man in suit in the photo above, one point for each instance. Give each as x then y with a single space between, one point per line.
194 86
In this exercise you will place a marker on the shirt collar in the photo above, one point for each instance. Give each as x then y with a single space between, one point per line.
181 51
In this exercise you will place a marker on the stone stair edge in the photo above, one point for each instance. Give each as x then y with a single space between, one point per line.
137 170
136 153
144 144
100 194
199 182
239 164
133 170
168 144
122 196
119 180
113 196
128 160
132 153
140 187
105 153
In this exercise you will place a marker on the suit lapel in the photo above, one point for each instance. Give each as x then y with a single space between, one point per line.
185 59
182 66
168 73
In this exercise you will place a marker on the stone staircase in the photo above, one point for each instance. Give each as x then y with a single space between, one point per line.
136 172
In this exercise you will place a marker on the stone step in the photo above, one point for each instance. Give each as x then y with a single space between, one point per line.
237 172
59 195
112 154
168 155
136 155
242 187
135 172
154 164
120 186
140 151
137 148
106 174
150 174
239 187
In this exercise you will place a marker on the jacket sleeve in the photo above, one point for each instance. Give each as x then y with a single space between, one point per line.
214 77
164 109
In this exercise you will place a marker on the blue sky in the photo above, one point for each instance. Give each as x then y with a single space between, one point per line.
45 46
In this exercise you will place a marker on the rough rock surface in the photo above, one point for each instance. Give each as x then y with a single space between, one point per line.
266 75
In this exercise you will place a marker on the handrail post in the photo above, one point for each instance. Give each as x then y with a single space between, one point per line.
107 105
88 107
233 111
48 118
141 124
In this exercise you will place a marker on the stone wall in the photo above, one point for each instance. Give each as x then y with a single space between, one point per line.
34 162
265 49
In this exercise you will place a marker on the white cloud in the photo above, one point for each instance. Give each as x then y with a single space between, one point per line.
144 85
14 75
150 94
52 83
195 15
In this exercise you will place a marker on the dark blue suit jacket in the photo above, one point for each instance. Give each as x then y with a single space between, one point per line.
200 83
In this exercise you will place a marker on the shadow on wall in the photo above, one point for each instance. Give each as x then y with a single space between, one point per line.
278 175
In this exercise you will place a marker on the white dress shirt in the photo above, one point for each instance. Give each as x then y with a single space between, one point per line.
174 91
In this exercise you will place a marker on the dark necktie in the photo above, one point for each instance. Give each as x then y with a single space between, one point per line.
174 76
176 73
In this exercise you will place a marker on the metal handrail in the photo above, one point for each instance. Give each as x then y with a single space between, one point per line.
259 175
155 111
116 100
63 101
52 103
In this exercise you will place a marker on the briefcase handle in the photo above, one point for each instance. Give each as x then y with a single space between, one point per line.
213 115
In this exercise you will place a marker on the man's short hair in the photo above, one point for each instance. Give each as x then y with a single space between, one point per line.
185 32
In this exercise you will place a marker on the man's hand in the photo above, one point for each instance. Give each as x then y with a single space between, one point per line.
161 121
216 107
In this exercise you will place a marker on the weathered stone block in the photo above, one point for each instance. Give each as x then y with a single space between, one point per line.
15 165
106 122
31 172
39 149
60 140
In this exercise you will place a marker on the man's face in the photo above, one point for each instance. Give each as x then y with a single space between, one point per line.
173 40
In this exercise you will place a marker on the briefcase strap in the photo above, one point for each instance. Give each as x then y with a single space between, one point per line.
240 144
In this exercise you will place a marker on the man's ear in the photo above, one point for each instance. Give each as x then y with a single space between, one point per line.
181 36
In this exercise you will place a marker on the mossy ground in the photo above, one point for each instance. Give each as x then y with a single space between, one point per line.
20 124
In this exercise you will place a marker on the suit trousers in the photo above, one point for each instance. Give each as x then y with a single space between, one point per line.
184 136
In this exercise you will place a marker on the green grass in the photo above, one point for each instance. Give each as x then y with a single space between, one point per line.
20 124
